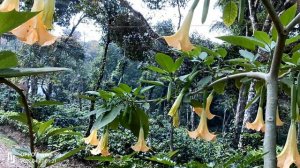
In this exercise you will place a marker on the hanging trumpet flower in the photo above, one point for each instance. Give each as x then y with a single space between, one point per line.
180 40
48 13
9 5
199 110
290 153
174 109
258 124
102 146
278 120
34 30
92 138
141 146
202 131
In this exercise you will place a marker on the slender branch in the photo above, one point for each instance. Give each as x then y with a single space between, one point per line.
28 115
277 23
258 75
293 23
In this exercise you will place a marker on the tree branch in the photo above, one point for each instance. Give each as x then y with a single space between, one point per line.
258 75
293 23
28 115
277 23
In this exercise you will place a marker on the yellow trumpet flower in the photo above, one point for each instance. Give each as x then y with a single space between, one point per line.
290 153
102 146
92 138
176 105
199 110
208 103
9 5
34 29
141 144
180 40
278 120
202 131
258 124
48 13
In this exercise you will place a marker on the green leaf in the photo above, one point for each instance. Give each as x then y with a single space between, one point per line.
13 19
230 13
93 93
106 95
145 89
20 117
205 10
222 52
292 40
44 126
241 10
204 82
86 97
18 72
107 117
64 156
178 63
8 59
22 153
262 36
165 62
156 69
125 87
219 87
248 55
286 17
47 103
243 41
156 83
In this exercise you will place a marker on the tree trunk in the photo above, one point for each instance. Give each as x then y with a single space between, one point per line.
98 84
240 111
249 115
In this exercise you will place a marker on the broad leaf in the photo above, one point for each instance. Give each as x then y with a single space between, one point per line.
219 87
107 117
156 69
8 59
157 83
165 62
230 13
243 41
262 36
18 72
248 55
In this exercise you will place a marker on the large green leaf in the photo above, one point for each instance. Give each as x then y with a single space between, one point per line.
8 59
108 117
13 19
243 41
18 72
262 36
230 13
286 17
165 62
